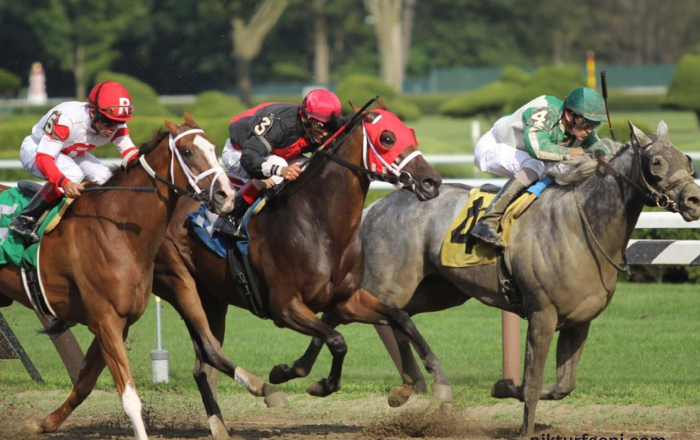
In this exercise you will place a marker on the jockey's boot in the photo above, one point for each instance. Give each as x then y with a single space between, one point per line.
486 229
25 224
229 224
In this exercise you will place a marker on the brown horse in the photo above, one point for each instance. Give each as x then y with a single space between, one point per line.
306 253
96 267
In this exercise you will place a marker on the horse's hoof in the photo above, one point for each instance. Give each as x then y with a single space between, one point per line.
320 389
276 400
32 427
278 374
421 387
399 395
443 392
503 389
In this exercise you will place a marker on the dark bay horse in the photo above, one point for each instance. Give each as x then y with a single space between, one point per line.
563 255
96 267
306 253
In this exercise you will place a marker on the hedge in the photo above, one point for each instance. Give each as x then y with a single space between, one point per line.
358 89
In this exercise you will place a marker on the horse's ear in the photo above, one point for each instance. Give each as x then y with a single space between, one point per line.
380 104
189 120
354 107
662 130
638 134
172 127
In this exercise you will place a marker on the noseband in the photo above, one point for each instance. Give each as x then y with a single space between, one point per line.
199 194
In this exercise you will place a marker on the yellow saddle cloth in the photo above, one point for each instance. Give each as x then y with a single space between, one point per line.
459 249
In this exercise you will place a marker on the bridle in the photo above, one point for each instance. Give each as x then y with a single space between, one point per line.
653 196
198 194
398 177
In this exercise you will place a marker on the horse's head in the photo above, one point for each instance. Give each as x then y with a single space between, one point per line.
393 148
668 172
197 158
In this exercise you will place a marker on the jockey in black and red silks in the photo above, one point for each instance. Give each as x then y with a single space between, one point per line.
266 144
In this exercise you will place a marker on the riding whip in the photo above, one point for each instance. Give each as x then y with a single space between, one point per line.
604 87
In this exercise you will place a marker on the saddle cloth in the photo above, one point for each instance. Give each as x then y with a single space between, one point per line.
460 249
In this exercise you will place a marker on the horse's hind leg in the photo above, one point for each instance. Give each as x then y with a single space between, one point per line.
92 367
363 307
302 367
299 317
569 349
403 358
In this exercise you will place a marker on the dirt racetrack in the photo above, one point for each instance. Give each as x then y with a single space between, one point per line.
172 416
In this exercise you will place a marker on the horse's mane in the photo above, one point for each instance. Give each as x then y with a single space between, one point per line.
145 148
583 167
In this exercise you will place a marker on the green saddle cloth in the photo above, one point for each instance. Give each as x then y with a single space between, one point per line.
14 248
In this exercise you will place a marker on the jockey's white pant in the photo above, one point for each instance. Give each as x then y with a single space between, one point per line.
232 161
494 157
76 169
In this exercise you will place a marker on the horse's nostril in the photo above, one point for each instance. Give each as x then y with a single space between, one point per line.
692 201
429 184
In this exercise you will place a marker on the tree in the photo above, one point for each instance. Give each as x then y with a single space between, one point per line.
387 26
80 34
321 49
684 92
247 41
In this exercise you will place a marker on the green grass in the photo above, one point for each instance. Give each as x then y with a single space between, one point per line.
642 350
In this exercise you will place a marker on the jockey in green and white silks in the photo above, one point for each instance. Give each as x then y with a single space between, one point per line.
523 145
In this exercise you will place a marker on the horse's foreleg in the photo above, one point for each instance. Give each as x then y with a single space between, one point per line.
93 364
363 307
302 367
539 336
111 331
300 318
569 349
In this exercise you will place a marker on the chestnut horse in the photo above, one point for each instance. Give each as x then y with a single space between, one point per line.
96 267
306 254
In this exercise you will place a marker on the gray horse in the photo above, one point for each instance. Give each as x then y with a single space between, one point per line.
563 255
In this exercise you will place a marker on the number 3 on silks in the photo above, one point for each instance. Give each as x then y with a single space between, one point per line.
262 127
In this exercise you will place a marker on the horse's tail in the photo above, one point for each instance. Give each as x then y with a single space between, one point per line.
57 327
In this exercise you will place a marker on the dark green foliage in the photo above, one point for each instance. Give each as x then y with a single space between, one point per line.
684 92
9 83
144 98
358 89
428 103
489 99
622 130
215 105
547 80
624 101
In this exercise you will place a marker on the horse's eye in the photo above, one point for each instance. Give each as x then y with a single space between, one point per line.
657 162
187 153
388 139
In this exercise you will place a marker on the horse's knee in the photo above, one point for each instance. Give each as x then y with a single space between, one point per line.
337 346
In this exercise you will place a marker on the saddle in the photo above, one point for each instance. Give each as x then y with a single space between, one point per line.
236 253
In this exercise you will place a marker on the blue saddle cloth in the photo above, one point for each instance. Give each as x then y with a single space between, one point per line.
217 242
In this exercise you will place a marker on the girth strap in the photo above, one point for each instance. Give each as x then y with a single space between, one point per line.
245 283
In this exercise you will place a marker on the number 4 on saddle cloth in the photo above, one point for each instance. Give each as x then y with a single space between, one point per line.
20 252
460 249
236 251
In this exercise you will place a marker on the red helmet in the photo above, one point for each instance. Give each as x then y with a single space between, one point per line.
321 104
112 100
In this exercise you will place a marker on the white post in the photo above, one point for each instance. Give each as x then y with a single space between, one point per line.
159 357
36 95
475 131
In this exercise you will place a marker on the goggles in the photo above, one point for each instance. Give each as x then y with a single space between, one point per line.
585 123
118 110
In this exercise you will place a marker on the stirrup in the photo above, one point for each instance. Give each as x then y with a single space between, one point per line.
26 229
227 226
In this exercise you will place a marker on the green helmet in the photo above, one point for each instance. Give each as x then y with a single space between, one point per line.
587 103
